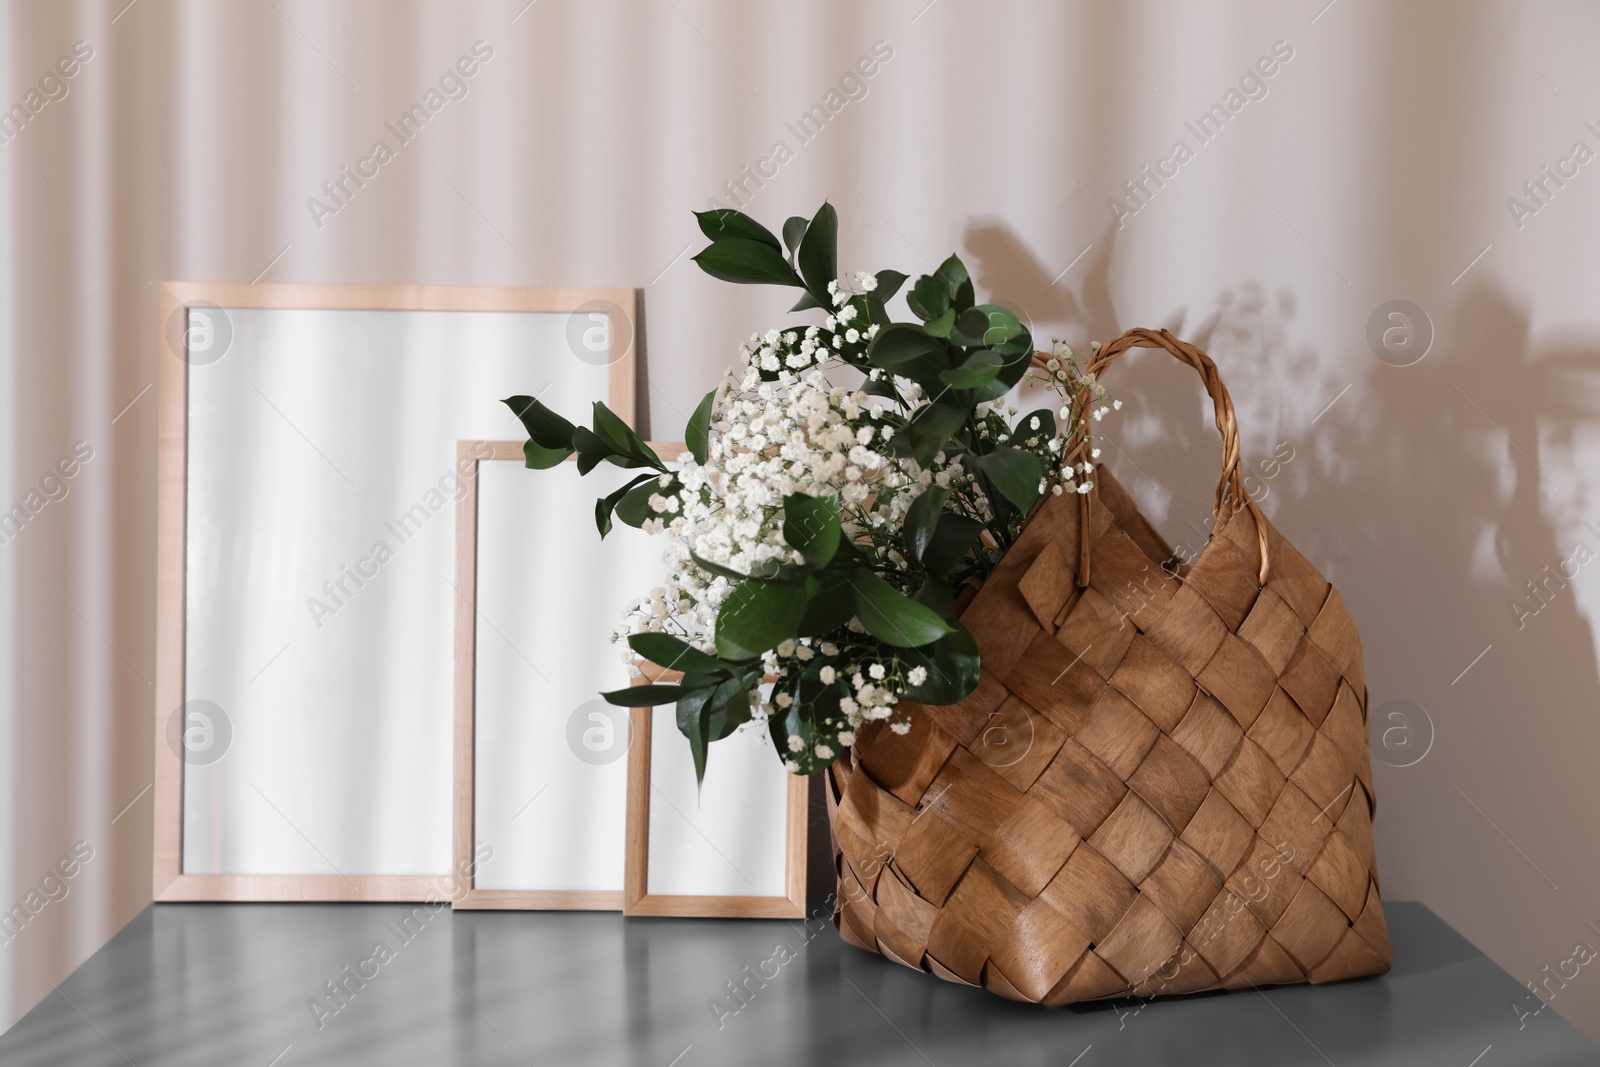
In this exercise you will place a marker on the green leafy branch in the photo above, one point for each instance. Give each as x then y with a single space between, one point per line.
852 588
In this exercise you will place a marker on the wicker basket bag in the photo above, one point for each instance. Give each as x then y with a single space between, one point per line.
1161 784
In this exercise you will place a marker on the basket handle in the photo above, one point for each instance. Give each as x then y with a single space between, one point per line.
1230 493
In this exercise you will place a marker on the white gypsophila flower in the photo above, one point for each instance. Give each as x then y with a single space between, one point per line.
800 434
780 426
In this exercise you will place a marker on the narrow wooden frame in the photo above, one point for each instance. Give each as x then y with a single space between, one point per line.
168 882
471 454
639 901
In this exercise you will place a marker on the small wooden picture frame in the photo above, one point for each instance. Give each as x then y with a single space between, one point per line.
552 822
214 334
644 792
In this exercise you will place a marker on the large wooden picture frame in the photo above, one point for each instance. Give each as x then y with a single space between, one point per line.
472 454
169 882
638 898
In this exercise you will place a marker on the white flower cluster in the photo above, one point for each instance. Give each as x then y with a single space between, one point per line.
791 350
874 689
843 334
1084 399
798 434
781 426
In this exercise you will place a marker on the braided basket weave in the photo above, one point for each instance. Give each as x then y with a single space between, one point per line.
1161 784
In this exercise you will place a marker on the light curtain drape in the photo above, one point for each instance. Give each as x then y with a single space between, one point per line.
1425 152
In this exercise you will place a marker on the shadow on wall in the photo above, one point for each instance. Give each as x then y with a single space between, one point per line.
1448 501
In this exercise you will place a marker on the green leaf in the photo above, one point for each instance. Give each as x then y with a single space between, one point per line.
697 435
794 228
987 325
806 303
881 387
889 283
694 713
991 391
607 504
814 702
977 370
1018 353
783 723
877 314
1016 365
940 327
591 450
674 653
937 594
727 709
907 350
952 665
613 440
929 298
818 258
950 541
811 526
956 279
1047 425
643 696
969 328
832 604
718 569
1014 473
609 427
540 458
757 615
720 223
930 427
892 617
922 518
634 507
691 703
543 425
747 262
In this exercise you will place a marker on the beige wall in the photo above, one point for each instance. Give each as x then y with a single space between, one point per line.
1378 166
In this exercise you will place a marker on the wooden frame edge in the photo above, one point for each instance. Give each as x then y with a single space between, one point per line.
464 783
308 888
172 476
168 882
637 898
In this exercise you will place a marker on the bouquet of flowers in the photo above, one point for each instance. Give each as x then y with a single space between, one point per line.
843 488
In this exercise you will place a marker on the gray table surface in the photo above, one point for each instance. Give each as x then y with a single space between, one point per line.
233 984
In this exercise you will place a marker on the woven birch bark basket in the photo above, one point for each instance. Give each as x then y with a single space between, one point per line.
1161 784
